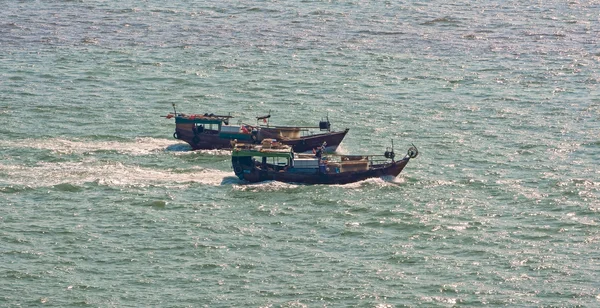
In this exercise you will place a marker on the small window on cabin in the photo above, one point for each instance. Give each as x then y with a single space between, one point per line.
279 161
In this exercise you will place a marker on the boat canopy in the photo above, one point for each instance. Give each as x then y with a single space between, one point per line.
258 151
201 118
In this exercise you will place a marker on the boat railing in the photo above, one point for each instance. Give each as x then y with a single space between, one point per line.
351 159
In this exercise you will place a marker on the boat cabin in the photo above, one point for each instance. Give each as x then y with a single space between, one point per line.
210 131
272 156
211 124
267 131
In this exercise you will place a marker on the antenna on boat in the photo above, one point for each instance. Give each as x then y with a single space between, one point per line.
390 153
174 110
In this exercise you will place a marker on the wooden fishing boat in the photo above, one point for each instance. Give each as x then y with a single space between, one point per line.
210 131
274 161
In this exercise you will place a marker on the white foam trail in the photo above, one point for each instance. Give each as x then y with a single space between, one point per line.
385 181
264 186
138 146
109 174
215 152
341 149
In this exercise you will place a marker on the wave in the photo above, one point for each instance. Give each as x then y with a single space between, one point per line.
13 189
71 176
137 146
387 181
264 186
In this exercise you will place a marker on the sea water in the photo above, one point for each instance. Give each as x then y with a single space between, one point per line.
101 207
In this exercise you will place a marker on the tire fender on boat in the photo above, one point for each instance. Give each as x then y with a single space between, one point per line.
413 152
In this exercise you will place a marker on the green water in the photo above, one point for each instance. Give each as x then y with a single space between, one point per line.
101 207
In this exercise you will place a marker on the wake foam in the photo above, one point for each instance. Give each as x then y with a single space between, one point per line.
387 181
64 176
264 186
138 146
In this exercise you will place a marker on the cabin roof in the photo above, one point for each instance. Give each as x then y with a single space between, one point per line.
200 118
259 151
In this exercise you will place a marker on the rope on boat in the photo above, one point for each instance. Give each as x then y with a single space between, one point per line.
413 151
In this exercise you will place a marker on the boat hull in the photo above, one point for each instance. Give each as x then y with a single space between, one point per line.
308 143
210 140
203 141
254 174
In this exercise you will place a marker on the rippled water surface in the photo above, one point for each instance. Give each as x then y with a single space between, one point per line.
100 207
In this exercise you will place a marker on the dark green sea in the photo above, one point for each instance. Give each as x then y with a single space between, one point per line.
101 207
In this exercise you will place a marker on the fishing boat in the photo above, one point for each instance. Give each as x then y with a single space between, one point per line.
211 131
274 161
